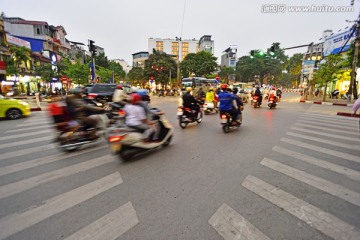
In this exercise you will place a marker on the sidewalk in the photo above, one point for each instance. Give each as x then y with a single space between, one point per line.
334 102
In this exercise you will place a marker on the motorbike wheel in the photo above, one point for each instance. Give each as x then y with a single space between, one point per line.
200 117
182 122
125 154
255 105
226 129
66 146
167 142
107 107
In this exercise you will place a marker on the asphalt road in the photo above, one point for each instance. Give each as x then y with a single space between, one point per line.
287 173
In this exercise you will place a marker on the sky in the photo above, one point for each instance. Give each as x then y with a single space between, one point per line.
122 27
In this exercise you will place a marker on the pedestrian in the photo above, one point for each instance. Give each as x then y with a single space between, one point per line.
356 106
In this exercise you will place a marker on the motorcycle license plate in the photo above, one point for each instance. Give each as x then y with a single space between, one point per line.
115 147
270 101
223 120
179 113
254 100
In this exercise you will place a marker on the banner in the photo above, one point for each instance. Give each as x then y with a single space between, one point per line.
334 43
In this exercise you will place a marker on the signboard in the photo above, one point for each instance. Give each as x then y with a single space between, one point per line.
17 41
334 43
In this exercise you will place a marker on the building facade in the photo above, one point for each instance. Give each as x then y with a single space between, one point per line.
139 59
126 67
179 48
228 59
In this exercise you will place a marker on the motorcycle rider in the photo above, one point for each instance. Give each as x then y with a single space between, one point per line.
136 117
200 94
80 110
228 103
239 103
120 95
278 94
210 97
190 102
259 94
273 94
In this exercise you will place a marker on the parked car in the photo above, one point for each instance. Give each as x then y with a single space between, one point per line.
102 93
13 108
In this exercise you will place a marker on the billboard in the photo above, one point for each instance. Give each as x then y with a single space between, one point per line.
334 43
17 41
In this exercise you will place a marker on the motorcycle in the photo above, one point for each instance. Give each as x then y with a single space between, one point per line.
272 102
127 142
186 116
209 108
256 101
72 135
226 122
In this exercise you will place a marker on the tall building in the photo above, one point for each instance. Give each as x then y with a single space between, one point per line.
126 67
179 48
228 58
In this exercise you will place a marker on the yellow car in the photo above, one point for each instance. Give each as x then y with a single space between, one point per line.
13 109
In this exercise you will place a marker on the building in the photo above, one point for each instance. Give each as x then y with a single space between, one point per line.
228 59
179 48
139 59
126 67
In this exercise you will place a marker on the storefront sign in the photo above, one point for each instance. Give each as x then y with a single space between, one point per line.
17 41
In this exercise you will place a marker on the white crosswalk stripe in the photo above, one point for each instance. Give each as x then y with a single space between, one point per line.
109 226
335 123
18 221
324 222
321 140
312 125
326 134
231 225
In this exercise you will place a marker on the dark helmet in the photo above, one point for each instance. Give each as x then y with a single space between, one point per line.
235 90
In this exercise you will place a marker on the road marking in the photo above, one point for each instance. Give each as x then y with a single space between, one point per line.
322 150
17 222
40 118
337 144
25 134
28 141
28 128
231 225
334 122
34 123
319 183
315 217
110 226
326 134
325 128
335 117
44 160
350 173
27 151
28 183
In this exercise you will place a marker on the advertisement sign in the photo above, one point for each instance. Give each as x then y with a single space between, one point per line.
334 43
17 41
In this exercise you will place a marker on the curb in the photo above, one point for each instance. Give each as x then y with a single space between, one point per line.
346 114
327 103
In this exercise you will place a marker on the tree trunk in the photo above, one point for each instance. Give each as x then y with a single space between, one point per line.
324 95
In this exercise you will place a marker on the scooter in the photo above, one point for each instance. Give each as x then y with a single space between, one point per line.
256 101
226 122
272 102
127 142
209 108
186 116
72 135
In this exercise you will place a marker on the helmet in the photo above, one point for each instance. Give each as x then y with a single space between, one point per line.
188 89
211 89
235 90
119 87
135 98
223 86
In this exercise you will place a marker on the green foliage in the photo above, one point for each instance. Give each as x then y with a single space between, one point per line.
161 67
101 60
45 71
137 76
328 70
20 56
225 72
76 71
265 67
104 73
201 64
294 68
119 73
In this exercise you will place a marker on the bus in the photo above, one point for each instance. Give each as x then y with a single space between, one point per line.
197 82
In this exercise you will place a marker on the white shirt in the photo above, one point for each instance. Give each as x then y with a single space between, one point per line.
134 114
119 95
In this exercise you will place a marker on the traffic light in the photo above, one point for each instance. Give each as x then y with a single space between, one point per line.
92 47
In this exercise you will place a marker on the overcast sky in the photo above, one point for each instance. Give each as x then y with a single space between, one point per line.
123 27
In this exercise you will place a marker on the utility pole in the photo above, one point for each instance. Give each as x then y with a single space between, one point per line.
353 85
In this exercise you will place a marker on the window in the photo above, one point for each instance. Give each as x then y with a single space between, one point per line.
38 30
185 44
159 43
186 49
175 52
175 44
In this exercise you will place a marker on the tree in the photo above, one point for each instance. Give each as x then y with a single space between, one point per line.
225 72
117 70
104 73
201 64
161 66
137 76
328 70
76 71
294 68
20 57
101 60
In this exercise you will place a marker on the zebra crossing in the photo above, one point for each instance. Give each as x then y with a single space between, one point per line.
320 152
30 165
